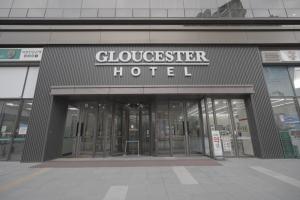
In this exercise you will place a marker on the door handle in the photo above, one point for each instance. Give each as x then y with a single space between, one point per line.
81 129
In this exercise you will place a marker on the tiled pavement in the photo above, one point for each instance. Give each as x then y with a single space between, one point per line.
234 179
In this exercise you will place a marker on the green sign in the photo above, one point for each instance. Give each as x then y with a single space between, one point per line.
10 54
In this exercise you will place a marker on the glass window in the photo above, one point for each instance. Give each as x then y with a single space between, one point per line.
18 12
21 131
4 12
242 131
158 12
98 4
278 82
293 12
206 134
54 13
123 12
12 81
89 12
175 13
162 128
141 12
200 4
64 3
71 13
35 12
237 4
224 126
241 13
295 76
261 13
30 4
6 3
107 12
266 4
190 12
7 125
71 128
291 3
277 13
166 3
31 82
133 3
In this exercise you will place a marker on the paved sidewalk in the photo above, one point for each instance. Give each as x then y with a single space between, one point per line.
234 179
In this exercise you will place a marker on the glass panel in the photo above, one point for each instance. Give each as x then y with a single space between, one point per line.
293 12
200 4
261 13
104 130
54 12
133 130
242 13
117 136
159 12
141 12
175 13
12 80
145 130
291 3
206 135
235 3
133 3
19 137
223 125
18 12
266 4
278 81
98 4
88 129
189 12
7 124
193 128
166 3
89 12
31 82
29 3
36 12
295 76
123 12
4 12
277 13
287 120
70 132
64 3
242 132
6 3
177 127
71 13
162 128
106 13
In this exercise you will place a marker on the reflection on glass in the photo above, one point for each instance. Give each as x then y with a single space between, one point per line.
287 121
206 134
242 131
193 127
223 125
162 128
295 77
103 133
70 131
7 125
278 81
177 126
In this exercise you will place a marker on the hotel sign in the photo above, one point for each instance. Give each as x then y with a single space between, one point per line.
20 54
153 59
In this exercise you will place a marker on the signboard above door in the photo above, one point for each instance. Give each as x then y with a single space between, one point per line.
20 54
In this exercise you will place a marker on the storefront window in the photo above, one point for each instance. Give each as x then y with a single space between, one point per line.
21 131
295 78
287 120
7 126
242 131
278 81
206 134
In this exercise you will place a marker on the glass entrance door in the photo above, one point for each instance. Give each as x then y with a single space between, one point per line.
87 130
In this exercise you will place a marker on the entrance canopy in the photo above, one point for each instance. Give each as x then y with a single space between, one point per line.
152 89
